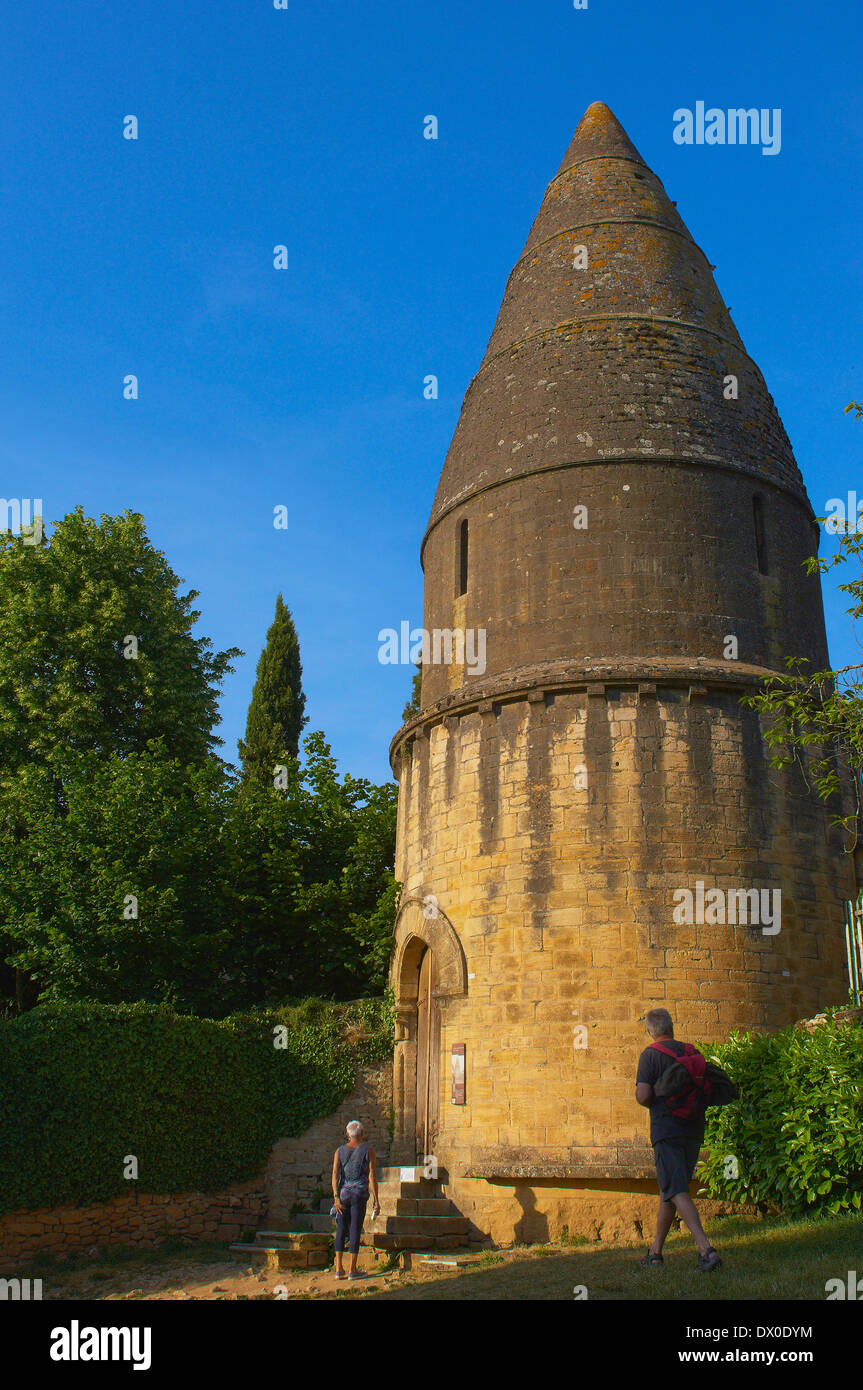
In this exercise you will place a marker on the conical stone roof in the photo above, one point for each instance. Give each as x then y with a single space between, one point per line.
623 360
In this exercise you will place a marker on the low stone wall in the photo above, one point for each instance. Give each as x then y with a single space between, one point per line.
299 1171
144 1219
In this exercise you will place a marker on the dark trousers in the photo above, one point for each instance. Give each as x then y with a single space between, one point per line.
349 1221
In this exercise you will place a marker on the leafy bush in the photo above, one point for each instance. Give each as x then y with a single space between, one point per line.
797 1129
198 1102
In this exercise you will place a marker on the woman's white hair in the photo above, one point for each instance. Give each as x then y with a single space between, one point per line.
354 1129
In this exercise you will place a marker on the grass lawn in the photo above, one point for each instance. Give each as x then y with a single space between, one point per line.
763 1259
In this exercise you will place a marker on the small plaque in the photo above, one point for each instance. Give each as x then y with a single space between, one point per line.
458 1074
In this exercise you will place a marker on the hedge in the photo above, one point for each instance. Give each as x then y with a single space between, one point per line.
796 1134
198 1102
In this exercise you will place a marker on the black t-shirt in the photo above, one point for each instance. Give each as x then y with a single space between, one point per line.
664 1125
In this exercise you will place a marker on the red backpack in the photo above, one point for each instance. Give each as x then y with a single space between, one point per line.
685 1085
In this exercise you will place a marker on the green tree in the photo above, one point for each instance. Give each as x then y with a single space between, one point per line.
97 661
96 646
112 882
311 878
276 713
138 878
134 866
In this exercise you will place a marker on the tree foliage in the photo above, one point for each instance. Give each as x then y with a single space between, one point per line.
312 875
111 878
277 710
139 878
67 608
134 864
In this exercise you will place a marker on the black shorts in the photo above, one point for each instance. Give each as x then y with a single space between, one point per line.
675 1164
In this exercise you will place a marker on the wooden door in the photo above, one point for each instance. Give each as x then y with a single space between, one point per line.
428 1057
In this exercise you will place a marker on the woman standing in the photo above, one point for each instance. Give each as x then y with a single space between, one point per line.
354 1171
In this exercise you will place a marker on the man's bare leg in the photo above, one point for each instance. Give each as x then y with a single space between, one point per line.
685 1205
664 1218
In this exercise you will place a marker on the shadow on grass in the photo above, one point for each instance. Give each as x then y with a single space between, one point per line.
763 1259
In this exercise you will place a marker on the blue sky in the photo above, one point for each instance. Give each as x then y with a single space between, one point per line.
261 127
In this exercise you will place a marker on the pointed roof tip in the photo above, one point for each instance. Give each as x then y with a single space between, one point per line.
598 111
599 133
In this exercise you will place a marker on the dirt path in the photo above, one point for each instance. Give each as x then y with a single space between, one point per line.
184 1277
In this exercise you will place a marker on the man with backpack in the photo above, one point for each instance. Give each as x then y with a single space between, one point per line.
676 1130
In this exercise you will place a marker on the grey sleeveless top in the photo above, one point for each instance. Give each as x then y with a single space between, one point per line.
354 1167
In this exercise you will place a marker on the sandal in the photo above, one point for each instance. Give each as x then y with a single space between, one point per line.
650 1260
709 1261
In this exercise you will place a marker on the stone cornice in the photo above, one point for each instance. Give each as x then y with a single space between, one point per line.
699 674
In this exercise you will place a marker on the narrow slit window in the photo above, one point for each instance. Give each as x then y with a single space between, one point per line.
462 558
760 546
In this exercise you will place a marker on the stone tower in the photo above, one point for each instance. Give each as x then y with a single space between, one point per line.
621 515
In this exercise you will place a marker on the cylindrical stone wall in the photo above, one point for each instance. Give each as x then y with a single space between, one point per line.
553 832
666 566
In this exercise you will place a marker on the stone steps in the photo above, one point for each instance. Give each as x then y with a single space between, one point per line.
393 1172
453 1225
286 1249
315 1221
408 1182
414 1191
413 1206
393 1204
411 1242
290 1238
414 1216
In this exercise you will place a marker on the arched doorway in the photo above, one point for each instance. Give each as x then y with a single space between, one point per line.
428 1056
429 975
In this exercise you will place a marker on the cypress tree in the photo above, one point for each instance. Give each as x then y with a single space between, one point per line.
276 712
